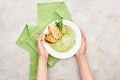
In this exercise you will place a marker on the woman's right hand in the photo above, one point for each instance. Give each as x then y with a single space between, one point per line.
82 49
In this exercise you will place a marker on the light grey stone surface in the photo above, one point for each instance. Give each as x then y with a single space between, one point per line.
100 20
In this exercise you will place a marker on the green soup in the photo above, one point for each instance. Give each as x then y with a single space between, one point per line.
66 42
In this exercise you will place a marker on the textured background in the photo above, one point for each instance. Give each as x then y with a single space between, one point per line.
100 19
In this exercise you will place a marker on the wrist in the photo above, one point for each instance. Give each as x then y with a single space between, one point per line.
42 59
82 59
80 56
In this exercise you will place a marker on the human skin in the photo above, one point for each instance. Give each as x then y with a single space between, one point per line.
84 69
42 60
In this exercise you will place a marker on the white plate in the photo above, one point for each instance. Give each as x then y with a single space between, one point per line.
73 50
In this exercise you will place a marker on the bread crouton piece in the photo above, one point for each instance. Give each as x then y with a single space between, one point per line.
54 31
50 39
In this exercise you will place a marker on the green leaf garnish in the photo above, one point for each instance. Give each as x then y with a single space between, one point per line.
59 23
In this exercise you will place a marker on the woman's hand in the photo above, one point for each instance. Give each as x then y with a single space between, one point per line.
82 50
42 61
84 69
41 50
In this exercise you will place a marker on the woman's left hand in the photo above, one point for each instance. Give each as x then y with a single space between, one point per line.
41 50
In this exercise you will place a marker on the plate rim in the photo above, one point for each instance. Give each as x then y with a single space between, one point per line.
70 53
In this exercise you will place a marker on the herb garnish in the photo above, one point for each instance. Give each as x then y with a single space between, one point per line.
59 23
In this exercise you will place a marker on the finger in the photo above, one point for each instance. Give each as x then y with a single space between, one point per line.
40 44
83 38
43 38
83 34
39 39
41 34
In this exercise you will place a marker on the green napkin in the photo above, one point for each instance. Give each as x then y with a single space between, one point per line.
47 12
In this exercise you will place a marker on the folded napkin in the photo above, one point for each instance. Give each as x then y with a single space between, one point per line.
47 12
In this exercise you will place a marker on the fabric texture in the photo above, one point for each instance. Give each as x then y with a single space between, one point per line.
46 13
